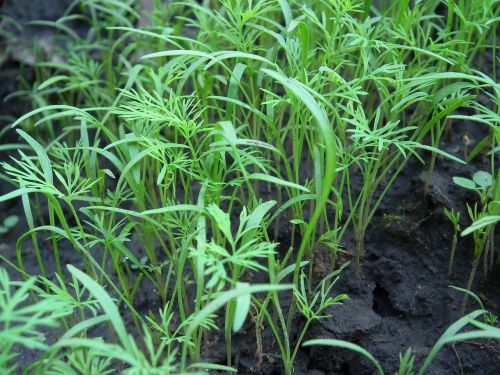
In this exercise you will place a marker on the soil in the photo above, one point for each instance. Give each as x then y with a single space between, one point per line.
400 300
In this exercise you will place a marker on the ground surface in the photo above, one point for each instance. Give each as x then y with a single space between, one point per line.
401 298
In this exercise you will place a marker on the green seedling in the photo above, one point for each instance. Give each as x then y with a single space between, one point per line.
489 318
487 189
454 218
9 223
22 323
481 183
153 132
228 256
485 221
313 303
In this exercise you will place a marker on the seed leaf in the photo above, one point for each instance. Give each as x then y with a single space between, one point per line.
483 179
465 183
11 221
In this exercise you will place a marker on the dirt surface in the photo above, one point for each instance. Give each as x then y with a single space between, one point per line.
402 298
29 10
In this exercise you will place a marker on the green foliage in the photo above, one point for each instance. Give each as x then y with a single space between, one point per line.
483 219
454 218
8 223
22 323
168 148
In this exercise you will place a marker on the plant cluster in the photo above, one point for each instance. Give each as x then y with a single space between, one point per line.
168 149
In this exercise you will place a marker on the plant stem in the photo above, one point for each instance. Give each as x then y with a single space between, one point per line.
452 253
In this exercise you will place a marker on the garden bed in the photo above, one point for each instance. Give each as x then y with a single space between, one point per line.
401 296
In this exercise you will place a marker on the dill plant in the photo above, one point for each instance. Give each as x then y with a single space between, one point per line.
454 218
488 191
169 156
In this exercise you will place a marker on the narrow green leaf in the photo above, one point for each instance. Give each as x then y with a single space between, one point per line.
447 335
288 270
16 193
212 366
242 308
287 12
276 181
42 156
441 152
51 81
481 223
47 108
223 298
106 303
